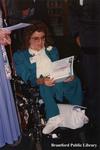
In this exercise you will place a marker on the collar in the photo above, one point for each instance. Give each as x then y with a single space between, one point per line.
34 52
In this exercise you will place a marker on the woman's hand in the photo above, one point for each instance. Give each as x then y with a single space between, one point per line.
78 41
40 80
70 78
5 37
46 81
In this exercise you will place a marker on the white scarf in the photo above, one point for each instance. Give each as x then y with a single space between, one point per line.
43 63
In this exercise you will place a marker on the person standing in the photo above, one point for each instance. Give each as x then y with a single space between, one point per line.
9 125
84 20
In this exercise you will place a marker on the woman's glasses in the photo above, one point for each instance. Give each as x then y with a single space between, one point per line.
37 38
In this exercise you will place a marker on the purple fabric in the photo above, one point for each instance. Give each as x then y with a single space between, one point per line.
9 125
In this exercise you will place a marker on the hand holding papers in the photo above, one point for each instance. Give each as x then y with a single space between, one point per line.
6 40
62 69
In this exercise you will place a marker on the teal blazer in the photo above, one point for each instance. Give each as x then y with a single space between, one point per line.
27 71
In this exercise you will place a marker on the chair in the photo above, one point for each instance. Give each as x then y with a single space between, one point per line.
30 109
32 116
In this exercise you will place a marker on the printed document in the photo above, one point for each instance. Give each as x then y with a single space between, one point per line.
17 26
62 69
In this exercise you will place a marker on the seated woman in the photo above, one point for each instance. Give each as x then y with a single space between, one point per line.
33 64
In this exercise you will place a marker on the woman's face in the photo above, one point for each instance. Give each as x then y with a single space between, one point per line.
37 40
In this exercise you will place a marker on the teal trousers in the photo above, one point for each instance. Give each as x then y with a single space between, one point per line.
71 91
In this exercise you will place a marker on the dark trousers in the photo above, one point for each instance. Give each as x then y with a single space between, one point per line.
90 76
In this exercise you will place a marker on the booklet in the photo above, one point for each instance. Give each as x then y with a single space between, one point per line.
62 69
17 26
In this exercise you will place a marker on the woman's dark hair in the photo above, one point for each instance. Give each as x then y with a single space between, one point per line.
40 27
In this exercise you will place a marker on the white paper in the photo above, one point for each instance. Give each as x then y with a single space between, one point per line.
17 26
62 69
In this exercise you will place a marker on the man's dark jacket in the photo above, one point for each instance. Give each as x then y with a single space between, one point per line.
85 22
